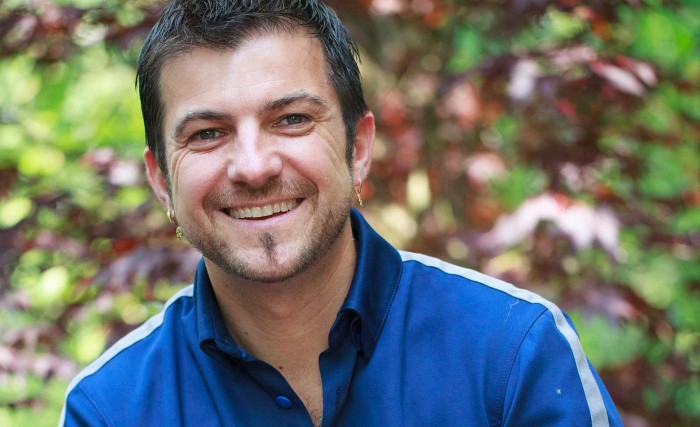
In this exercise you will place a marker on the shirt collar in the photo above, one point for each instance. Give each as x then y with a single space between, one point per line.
211 328
373 287
371 293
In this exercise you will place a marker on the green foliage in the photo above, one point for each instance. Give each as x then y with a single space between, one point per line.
598 337
468 50
575 125
520 184
666 36
18 388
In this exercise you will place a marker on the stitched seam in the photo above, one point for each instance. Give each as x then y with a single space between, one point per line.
514 355
94 406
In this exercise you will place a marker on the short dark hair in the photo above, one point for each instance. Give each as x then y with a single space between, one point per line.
225 24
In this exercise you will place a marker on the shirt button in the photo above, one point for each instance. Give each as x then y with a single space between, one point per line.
283 402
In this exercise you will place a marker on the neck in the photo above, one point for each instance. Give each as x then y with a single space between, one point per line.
287 324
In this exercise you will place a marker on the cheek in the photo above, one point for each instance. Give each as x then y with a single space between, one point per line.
330 174
324 150
193 178
323 163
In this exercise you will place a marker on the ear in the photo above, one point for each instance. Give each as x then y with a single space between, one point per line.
156 178
362 151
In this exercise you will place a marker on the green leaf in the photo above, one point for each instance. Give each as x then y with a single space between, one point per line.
85 342
520 184
43 413
598 336
686 220
657 280
14 210
685 312
467 50
662 36
665 175
563 25
20 85
13 141
132 197
49 289
658 115
687 398
41 161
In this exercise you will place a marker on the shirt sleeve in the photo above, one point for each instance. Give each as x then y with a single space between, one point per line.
80 411
552 383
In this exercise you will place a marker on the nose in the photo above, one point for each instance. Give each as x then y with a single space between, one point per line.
254 158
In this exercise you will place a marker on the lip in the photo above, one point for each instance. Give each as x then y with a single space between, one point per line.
262 211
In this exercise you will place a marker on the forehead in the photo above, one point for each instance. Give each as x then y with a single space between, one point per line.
257 70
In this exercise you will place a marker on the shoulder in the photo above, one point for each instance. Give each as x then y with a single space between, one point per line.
532 347
483 318
493 310
461 285
133 355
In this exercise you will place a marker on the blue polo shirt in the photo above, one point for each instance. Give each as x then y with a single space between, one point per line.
418 342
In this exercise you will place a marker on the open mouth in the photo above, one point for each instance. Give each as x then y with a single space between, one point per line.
262 212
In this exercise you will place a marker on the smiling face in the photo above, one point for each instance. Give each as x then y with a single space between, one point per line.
255 147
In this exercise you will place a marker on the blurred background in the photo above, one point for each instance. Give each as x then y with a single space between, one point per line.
554 144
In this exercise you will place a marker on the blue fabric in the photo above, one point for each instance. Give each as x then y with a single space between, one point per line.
418 342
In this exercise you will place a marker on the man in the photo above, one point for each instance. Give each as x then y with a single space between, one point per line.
258 138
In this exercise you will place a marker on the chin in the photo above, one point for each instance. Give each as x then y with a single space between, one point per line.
270 271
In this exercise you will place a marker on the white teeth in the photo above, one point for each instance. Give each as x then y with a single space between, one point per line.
263 211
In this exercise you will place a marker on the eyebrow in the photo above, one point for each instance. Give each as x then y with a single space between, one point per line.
198 115
301 96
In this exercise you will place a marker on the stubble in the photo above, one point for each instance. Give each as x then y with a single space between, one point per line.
268 269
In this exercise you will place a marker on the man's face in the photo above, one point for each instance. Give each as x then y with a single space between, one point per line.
255 147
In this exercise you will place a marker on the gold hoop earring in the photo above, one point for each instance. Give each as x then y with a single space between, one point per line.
359 194
171 218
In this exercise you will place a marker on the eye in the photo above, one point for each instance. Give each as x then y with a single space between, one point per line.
207 135
293 120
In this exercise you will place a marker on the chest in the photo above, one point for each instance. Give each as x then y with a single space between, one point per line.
398 390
